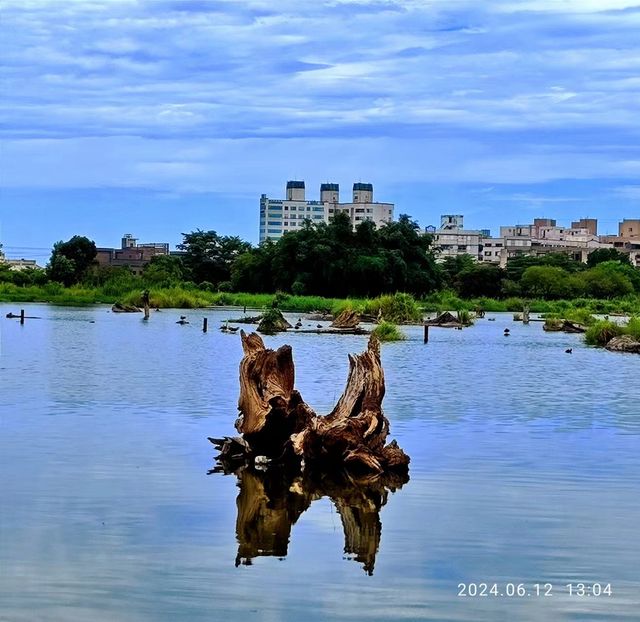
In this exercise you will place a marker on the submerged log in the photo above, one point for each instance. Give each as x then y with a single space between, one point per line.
122 308
347 319
565 326
445 320
276 422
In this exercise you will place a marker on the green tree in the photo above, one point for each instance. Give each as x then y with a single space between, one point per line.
480 280
607 254
71 260
163 269
62 269
548 282
452 266
517 266
209 256
608 279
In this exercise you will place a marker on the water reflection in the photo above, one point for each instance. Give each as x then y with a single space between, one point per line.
271 501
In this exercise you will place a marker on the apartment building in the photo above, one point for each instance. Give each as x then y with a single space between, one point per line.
279 216
543 236
131 254
627 240
451 239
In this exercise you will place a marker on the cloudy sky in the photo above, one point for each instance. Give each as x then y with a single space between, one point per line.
157 117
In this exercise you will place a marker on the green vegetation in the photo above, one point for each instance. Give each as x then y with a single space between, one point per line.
464 317
601 332
71 261
330 267
633 327
386 331
399 308
333 260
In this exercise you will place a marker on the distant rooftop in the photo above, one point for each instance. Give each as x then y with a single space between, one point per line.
332 187
360 186
295 184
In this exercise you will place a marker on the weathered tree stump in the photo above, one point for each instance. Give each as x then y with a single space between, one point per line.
145 303
276 422
347 319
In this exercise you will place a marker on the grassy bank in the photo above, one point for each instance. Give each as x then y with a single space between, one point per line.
394 308
448 301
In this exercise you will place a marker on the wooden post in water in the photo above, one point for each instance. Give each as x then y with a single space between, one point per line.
21 316
145 302
245 309
426 333
204 325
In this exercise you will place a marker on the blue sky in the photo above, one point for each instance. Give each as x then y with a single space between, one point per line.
158 117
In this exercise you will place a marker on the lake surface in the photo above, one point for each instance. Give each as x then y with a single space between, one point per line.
525 469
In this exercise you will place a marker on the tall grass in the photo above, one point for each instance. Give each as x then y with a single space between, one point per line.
398 308
386 331
602 332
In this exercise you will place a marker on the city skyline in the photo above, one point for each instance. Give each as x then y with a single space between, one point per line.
163 117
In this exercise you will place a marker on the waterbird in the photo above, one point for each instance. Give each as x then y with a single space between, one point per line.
569 351
319 326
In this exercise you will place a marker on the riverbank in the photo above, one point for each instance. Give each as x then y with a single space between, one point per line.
399 304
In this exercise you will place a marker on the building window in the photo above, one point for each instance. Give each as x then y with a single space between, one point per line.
286 207
369 210
360 210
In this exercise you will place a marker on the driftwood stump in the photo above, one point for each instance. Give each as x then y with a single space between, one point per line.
276 423
347 319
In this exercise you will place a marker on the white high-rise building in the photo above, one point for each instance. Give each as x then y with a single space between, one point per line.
278 216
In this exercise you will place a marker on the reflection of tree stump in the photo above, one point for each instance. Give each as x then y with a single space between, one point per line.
276 422
268 506
270 503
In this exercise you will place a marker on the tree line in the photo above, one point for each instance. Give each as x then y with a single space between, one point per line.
335 260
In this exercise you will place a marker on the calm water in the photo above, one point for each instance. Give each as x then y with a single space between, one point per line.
525 469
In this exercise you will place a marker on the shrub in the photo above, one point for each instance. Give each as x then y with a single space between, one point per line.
602 332
297 289
400 308
464 317
633 327
386 331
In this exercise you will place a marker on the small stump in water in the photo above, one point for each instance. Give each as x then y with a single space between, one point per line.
272 321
